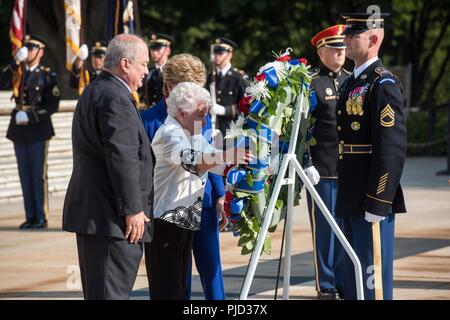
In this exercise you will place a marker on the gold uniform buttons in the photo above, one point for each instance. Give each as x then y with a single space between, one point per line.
355 125
339 128
339 112
341 157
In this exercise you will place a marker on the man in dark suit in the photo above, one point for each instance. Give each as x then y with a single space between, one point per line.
110 194
371 124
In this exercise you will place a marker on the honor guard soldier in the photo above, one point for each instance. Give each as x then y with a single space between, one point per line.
229 84
371 126
326 80
160 48
30 127
98 52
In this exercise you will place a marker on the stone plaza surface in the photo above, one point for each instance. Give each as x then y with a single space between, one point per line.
43 264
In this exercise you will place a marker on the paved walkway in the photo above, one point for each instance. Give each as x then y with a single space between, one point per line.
43 264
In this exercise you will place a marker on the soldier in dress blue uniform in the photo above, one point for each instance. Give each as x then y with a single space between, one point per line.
326 80
31 127
371 126
230 84
160 46
98 52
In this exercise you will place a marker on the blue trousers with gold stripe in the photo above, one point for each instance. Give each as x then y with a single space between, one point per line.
327 249
373 243
32 166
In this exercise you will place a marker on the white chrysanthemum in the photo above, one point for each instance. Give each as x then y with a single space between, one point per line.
280 69
258 90
236 128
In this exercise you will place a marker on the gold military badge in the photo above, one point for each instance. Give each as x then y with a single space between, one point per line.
387 117
355 126
355 101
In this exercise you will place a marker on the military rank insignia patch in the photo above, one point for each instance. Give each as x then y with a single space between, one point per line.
382 183
387 117
355 101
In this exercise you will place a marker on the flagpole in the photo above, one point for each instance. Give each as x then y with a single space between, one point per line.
22 64
82 40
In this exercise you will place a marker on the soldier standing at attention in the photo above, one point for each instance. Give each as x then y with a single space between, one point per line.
326 80
230 84
371 126
30 128
98 52
160 50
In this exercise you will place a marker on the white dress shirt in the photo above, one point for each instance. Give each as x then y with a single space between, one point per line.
126 84
224 71
364 66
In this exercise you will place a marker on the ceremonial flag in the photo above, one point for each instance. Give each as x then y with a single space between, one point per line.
17 25
73 26
128 16
16 34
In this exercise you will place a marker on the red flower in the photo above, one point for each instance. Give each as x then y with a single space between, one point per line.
303 60
284 58
260 77
244 104
226 206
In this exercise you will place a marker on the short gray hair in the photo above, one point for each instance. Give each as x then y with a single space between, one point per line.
122 46
185 97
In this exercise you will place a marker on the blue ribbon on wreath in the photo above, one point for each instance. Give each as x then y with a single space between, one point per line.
271 77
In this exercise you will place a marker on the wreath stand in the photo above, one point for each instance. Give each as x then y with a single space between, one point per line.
290 162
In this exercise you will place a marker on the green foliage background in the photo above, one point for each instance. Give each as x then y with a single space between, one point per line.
417 33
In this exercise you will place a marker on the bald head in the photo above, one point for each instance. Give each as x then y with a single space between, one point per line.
376 37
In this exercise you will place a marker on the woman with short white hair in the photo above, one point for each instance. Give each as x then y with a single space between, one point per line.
183 159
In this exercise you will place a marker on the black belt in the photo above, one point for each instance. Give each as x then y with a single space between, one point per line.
355 148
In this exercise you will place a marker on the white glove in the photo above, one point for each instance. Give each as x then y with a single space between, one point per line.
217 109
84 52
373 217
22 54
313 175
21 118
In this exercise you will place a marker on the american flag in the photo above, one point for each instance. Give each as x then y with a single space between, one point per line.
17 25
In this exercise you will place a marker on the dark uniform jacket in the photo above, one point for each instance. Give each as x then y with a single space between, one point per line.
41 100
75 76
152 90
229 90
371 118
112 162
324 153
